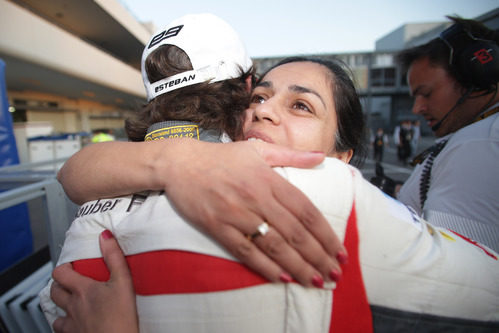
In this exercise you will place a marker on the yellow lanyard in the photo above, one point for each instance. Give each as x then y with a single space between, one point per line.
487 114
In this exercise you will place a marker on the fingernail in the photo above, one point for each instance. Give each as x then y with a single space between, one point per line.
106 234
335 274
317 281
285 277
342 257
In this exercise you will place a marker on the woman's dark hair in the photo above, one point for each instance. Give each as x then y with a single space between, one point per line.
351 123
218 105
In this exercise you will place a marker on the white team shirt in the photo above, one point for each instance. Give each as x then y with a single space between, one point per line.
464 187
405 263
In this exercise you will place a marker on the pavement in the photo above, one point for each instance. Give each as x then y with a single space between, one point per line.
392 166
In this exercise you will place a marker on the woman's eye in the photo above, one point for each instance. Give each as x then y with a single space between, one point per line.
301 106
257 99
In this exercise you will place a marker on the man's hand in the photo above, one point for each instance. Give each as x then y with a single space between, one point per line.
93 306
230 189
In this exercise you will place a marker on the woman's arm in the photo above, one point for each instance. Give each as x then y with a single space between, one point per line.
111 169
118 168
228 190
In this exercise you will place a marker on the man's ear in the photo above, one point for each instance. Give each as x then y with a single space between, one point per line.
249 81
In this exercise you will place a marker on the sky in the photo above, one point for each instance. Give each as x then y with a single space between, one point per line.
289 27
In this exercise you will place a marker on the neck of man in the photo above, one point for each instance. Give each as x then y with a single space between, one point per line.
468 111
481 102
171 129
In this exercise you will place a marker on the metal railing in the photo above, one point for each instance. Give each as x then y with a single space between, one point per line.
19 304
25 185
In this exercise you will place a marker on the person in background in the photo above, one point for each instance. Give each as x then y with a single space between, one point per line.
416 136
102 135
378 142
402 136
454 81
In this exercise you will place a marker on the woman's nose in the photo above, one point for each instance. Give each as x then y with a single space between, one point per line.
267 111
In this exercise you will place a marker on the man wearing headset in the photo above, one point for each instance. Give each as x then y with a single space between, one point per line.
453 80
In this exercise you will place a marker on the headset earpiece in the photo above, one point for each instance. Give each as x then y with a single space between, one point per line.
475 60
479 64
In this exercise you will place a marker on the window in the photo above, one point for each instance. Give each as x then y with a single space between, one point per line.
377 77
383 77
389 77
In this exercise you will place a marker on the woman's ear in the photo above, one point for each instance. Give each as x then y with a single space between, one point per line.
345 156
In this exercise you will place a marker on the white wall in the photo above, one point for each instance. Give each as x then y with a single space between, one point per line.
27 36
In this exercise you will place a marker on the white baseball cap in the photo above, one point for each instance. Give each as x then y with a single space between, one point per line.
213 47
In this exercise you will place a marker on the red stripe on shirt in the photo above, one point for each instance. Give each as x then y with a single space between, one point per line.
172 272
480 246
351 311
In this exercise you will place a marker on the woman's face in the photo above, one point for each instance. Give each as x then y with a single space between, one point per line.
293 106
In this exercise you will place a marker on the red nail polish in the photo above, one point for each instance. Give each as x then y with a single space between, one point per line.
317 281
335 275
342 257
285 277
106 234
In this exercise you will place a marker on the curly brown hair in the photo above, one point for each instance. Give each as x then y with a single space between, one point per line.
218 105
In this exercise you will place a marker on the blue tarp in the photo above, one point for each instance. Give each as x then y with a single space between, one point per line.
16 240
65 136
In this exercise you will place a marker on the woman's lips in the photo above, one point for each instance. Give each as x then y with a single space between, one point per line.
255 135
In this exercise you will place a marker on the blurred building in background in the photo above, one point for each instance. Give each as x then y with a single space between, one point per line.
71 66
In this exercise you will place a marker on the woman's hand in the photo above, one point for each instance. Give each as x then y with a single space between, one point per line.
229 190
93 306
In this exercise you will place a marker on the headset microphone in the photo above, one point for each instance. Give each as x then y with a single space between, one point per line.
460 101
